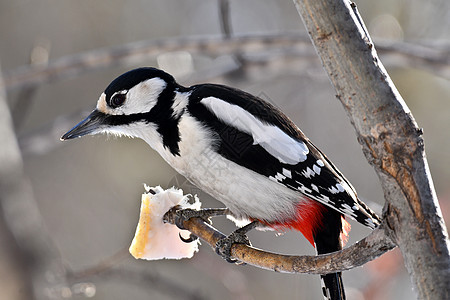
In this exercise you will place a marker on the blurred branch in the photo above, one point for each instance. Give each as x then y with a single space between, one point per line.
225 18
278 55
354 256
39 256
149 280
105 270
100 267
434 59
391 140
153 281
74 65
21 106
19 110
227 30
46 138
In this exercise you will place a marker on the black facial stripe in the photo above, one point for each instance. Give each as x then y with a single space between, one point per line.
161 114
117 120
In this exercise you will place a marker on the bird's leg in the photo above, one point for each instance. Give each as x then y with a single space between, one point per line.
223 246
181 215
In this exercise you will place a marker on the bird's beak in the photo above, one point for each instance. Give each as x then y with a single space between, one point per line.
91 125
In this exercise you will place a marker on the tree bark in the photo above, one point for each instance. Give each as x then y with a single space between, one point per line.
391 140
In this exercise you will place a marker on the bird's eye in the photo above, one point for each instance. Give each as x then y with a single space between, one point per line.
117 100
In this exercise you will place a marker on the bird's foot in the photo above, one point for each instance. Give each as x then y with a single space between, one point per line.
181 215
224 245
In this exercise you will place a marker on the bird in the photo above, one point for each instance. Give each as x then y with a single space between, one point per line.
240 149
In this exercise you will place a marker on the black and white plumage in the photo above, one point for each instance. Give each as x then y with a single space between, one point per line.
238 148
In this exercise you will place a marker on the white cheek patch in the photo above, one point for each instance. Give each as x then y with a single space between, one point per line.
271 138
142 97
139 99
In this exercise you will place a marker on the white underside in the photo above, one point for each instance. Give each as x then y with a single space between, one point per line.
246 193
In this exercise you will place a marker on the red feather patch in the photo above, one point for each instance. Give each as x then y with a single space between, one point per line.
308 220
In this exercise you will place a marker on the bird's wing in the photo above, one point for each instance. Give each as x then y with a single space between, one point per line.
258 136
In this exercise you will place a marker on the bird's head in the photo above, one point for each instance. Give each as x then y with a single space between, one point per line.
140 98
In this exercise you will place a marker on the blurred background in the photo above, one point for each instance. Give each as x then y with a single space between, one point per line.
67 229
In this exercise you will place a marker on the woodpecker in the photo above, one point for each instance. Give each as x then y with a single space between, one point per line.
238 148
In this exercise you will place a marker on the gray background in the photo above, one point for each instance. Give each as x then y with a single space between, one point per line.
88 190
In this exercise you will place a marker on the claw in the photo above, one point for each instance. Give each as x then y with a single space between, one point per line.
224 251
190 239
223 246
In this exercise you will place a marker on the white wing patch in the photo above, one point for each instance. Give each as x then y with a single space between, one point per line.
308 173
287 173
333 190
316 169
286 149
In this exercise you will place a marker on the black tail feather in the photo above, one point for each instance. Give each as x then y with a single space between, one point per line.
332 286
327 239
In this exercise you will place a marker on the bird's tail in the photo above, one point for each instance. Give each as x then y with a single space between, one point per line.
332 286
328 238
327 230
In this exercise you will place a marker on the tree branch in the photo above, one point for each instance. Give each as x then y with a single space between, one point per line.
74 65
433 59
295 45
46 138
107 270
142 278
390 137
354 256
